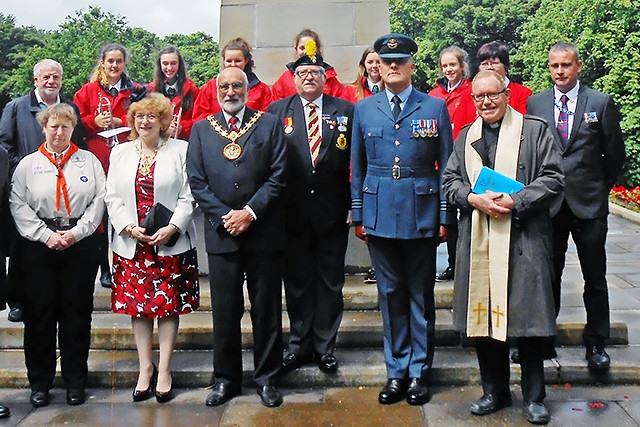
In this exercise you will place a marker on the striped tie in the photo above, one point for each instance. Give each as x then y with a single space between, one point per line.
563 120
233 124
313 133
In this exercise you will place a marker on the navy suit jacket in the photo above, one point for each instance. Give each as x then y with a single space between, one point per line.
317 196
256 178
412 206
594 155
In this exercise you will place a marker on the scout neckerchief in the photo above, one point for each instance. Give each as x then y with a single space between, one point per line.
487 310
61 183
233 150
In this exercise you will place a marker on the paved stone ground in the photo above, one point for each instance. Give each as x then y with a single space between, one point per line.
580 405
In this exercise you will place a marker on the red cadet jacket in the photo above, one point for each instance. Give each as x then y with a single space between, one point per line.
462 110
186 119
285 86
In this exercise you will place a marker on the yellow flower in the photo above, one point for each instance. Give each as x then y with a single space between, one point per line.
310 49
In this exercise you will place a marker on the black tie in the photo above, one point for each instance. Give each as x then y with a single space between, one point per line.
113 91
171 92
396 106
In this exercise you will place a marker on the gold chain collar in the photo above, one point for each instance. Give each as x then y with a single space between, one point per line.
233 136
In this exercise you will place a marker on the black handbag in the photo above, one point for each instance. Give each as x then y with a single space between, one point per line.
158 217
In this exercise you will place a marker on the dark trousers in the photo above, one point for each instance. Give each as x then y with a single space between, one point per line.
452 241
313 282
590 236
493 359
264 284
405 271
58 297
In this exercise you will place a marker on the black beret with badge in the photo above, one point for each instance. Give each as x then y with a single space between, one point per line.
310 57
395 46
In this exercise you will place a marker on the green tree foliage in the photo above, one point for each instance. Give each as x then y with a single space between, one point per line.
14 43
607 34
436 24
201 54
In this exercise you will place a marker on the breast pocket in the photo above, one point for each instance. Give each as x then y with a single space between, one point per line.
370 202
427 203
372 140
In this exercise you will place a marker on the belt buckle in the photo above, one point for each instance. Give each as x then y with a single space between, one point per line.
395 172
61 222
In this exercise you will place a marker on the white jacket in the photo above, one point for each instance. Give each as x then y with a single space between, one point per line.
171 188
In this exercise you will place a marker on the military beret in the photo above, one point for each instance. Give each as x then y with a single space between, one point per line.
311 56
395 46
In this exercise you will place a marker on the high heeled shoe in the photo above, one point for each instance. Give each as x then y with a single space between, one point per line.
138 395
163 397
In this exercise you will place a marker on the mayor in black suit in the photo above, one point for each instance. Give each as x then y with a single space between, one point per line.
316 210
589 137
237 174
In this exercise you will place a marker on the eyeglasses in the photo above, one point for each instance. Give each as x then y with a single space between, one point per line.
149 117
398 61
491 96
225 86
486 63
303 74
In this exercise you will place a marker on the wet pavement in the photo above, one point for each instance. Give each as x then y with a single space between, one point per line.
575 401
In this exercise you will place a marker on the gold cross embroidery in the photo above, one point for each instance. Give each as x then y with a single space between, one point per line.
479 310
498 314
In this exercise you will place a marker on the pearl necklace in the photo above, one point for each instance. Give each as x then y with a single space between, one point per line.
147 160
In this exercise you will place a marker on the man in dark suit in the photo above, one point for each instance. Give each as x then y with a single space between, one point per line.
21 133
590 140
401 143
5 219
316 210
236 165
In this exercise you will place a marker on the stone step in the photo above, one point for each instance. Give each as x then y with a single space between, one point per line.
358 329
357 295
358 367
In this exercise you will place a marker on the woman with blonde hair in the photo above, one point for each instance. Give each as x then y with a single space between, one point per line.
369 81
155 269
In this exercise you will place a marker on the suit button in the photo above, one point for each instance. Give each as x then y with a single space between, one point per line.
397 126
396 143
313 172
313 191
396 159
366 188
236 164
235 184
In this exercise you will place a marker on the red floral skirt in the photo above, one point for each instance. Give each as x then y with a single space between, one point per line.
155 286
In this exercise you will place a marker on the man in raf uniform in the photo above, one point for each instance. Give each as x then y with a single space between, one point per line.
236 165
401 143
317 129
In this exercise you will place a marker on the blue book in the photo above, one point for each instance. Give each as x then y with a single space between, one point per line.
490 180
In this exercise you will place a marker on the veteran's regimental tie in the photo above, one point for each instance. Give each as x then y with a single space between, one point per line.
313 133
396 106
563 119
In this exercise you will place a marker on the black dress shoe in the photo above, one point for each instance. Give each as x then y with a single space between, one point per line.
76 396
392 392
164 397
328 363
489 403
597 358
15 314
536 413
445 276
39 398
417 392
221 393
4 411
140 395
105 279
270 396
370 277
293 361
515 357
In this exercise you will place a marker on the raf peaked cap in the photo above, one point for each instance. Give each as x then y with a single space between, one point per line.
395 46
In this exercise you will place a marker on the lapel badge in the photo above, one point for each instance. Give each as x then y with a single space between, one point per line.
341 143
591 117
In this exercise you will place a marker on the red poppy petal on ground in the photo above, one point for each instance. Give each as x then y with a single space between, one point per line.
596 405
567 385
627 397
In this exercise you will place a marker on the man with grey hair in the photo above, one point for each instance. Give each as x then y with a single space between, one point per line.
21 134
236 165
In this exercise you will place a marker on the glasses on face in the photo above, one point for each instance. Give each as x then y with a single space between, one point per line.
225 86
149 117
489 63
397 61
483 96
303 74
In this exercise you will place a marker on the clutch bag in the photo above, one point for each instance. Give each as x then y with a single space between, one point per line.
158 217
